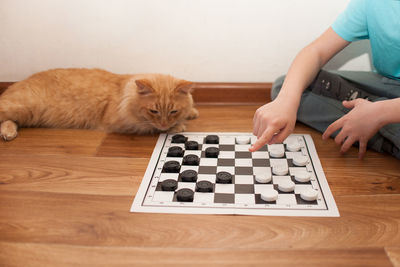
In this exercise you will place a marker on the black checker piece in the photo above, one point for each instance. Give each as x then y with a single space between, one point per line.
224 178
185 195
171 166
178 139
191 159
175 151
212 139
191 145
188 176
204 186
169 185
212 152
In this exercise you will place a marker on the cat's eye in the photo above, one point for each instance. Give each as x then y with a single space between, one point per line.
173 111
154 111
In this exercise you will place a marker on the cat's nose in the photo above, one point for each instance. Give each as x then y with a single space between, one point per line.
164 125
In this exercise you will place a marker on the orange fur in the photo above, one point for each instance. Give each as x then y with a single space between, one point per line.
97 99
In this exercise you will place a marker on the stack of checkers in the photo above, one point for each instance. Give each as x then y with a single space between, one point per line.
222 170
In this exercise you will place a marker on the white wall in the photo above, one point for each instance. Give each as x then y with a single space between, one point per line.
200 40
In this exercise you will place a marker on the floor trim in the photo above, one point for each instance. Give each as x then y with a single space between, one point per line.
220 93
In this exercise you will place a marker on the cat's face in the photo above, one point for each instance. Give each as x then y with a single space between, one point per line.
164 101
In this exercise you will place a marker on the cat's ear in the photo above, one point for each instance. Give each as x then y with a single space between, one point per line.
144 87
184 87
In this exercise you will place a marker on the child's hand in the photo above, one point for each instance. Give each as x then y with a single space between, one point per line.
360 124
273 122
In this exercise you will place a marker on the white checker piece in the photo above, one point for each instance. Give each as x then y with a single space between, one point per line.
276 162
261 170
300 160
286 186
293 146
263 177
280 170
309 194
302 176
310 183
269 195
276 150
243 140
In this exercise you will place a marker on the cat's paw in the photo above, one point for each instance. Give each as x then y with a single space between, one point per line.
8 130
177 128
193 114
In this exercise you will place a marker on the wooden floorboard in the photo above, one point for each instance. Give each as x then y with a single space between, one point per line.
394 255
18 254
65 197
104 220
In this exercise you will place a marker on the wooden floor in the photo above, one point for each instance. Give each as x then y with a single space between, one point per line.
65 197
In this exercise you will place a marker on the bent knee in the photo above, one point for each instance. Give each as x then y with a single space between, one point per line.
276 86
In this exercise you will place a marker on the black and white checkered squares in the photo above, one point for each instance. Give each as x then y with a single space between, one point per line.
243 165
284 174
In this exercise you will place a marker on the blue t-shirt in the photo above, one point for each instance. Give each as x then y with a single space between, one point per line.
378 21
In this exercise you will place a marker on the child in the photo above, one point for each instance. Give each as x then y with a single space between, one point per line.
354 107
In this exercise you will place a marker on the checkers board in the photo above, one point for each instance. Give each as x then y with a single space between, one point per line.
214 173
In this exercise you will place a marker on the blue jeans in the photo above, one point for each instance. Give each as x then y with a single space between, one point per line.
319 111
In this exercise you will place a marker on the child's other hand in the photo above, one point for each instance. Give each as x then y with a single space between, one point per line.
360 124
273 122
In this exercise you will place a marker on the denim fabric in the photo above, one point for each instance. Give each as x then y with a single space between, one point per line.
319 112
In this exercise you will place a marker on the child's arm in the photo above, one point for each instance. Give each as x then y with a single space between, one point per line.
362 122
274 121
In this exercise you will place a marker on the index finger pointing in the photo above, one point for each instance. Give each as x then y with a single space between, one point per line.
265 138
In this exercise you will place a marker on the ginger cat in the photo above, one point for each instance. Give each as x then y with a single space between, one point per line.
97 99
